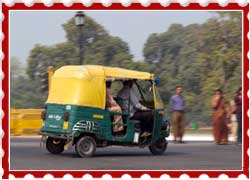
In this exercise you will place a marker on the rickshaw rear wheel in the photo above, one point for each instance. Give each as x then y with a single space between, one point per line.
159 147
85 146
55 146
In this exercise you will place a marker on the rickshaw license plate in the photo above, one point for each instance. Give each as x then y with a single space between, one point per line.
65 125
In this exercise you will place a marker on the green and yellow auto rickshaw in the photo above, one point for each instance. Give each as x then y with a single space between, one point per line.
76 114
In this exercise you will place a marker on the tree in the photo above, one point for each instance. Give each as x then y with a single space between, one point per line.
22 90
99 48
201 58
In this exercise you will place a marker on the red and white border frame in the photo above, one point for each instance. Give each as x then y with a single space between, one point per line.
115 173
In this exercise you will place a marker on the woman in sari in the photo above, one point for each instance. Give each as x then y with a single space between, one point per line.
219 115
113 107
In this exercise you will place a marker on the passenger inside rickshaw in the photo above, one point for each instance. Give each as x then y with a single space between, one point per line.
112 106
136 108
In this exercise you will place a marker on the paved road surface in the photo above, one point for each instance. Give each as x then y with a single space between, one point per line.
26 154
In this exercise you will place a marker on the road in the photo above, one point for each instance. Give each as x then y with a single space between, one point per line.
26 154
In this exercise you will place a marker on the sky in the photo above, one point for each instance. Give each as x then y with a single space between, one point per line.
28 28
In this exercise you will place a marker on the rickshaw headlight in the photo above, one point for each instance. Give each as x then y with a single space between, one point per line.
66 116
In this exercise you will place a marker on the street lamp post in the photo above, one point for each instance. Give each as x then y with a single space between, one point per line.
79 21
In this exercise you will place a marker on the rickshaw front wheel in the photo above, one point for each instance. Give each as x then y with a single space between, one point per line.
55 146
85 146
159 147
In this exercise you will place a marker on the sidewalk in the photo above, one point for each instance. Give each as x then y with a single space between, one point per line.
197 137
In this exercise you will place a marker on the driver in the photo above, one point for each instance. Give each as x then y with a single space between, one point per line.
135 109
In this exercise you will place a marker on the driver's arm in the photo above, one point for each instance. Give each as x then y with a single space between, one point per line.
135 102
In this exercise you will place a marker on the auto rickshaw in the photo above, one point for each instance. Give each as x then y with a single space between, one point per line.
75 112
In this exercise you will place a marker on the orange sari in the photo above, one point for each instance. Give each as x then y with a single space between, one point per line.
114 107
220 129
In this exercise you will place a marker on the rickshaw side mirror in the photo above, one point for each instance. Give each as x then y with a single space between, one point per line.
156 80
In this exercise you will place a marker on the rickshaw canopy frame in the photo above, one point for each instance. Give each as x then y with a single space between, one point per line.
85 85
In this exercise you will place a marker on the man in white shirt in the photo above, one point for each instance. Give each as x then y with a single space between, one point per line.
135 109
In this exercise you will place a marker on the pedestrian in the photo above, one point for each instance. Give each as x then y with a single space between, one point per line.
238 103
220 129
177 102
234 123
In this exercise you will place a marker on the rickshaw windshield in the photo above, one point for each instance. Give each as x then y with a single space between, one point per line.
144 90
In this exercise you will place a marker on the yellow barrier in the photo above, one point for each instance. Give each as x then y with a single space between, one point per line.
25 121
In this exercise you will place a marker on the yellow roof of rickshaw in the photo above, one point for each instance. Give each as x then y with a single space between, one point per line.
85 85
88 71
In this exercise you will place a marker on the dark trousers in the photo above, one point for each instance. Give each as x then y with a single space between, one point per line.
239 120
146 118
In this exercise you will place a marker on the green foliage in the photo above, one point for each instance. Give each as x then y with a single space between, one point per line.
201 58
99 48
91 29
23 91
17 69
